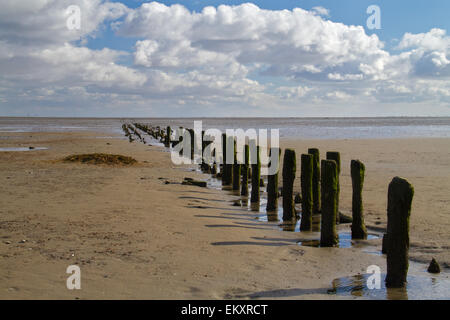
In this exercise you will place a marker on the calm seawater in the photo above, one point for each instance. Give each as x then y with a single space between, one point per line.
307 128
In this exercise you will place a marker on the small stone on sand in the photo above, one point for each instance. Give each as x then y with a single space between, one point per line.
434 267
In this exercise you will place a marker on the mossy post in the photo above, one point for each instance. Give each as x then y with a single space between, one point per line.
328 235
169 133
306 179
400 195
244 171
272 186
236 171
357 170
316 179
256 175
289 169
336 156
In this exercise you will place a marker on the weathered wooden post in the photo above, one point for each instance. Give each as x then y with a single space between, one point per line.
306 178
357 169
191 131
316 179
289 169
229 166
328 235
336 156
272 185
245 168
214 165
203 165
256 175
236 171
400 195
224 167
168 134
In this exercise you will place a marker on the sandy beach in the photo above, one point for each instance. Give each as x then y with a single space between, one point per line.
137 233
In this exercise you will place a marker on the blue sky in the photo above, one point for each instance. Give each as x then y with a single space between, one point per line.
176 58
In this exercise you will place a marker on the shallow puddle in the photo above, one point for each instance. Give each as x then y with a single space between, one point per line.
418 287
345 240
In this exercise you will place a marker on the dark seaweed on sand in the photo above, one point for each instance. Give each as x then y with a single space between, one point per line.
101 158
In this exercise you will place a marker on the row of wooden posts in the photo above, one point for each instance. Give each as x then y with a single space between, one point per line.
320 190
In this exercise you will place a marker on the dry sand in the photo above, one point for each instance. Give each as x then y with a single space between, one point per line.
136 237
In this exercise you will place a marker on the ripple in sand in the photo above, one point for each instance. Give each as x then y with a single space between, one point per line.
17 149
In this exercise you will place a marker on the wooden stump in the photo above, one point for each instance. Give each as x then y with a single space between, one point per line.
400 195
328 235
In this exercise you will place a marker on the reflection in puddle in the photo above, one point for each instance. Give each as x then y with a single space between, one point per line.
418 287
345 240
14 149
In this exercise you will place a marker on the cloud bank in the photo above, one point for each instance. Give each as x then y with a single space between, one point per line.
223 61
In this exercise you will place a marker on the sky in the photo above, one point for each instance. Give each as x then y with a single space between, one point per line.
224 58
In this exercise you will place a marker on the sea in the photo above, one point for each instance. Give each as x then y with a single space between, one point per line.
306 128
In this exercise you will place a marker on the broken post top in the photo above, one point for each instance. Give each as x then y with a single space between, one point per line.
400 194
289 164
357 169
315 152
336 156
328 167
307 157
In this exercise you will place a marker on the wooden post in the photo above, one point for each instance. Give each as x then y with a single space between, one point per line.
256 174
229 166
169 132
328 235
336 156
307 195
357 169
316 179
245 168
400 195
272 185
224 167
289 169
236 171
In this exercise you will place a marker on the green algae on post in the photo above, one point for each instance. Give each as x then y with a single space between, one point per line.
306 179
328 235
244 171
289 169
336 156
256 176
316 179
272 186
357 169
400 195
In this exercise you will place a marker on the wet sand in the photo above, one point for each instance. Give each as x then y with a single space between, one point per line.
136 237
